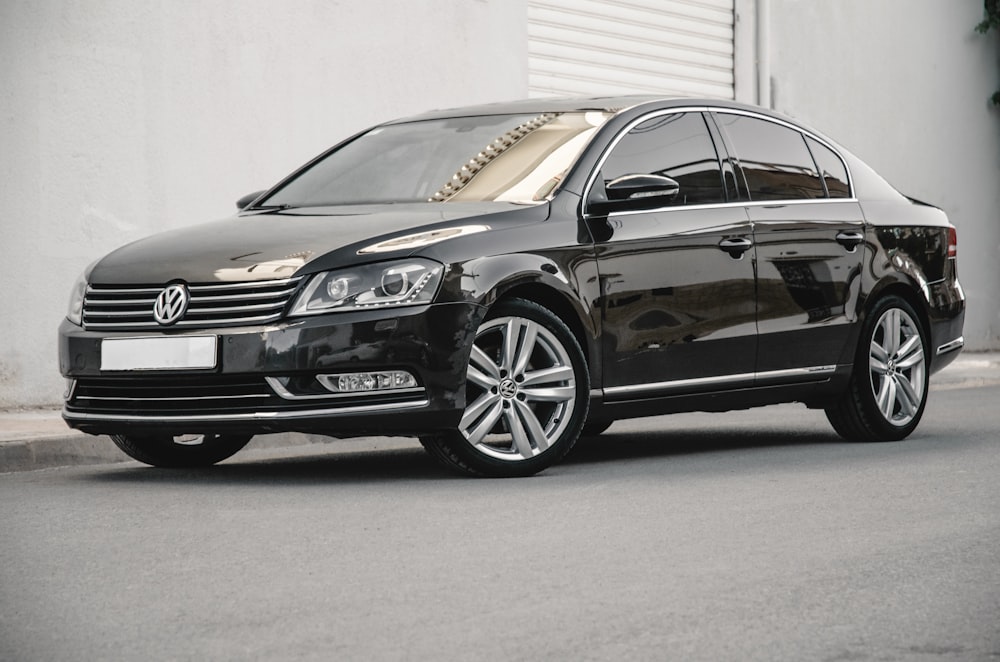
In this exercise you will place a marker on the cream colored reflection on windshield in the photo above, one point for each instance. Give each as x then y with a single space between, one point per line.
527 163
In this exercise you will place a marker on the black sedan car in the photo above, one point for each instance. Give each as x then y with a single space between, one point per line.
499 280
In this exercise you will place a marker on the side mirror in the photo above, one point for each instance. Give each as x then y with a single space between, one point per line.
633 187
245 201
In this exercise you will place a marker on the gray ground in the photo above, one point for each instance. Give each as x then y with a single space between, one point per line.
753 535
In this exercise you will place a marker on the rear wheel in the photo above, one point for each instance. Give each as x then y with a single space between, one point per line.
526 395
888 388
180 451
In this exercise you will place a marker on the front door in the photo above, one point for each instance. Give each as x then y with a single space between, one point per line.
677 280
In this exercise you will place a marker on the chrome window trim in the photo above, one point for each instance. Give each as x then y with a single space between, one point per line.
726 111
250 416
283 392
680 384
722 205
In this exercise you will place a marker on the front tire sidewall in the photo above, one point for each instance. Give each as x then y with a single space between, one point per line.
161 450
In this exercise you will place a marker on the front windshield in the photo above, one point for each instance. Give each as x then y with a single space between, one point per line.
515 158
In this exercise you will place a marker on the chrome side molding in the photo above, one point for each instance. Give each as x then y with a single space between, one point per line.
958 343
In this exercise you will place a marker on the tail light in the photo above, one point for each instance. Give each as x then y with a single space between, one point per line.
952 242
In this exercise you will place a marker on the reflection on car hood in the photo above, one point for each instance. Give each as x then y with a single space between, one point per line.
274 245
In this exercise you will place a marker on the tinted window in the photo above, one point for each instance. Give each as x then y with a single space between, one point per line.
834 172
775 161
676 146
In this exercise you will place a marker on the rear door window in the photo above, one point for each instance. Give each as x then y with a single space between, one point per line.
774 159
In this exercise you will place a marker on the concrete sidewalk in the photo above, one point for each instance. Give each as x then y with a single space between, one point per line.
39 439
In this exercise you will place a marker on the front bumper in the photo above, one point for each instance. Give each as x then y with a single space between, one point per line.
264 377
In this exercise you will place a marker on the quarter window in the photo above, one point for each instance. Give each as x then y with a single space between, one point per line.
834 172
678 146
774 159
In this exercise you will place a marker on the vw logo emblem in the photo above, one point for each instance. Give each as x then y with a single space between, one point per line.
508 389
171 304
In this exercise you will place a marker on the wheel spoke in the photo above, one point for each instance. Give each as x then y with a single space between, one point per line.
532 425
907 397
550 394
876 350
877 366
559 373
511 336
485 424
910 354
479 379
891 327
518 433
887 397
484 363
525 348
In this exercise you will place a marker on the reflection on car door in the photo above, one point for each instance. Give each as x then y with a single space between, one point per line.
678 308
808 234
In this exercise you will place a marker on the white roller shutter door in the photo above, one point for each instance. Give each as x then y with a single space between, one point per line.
671 47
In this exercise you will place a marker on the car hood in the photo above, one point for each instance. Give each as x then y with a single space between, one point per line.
279 244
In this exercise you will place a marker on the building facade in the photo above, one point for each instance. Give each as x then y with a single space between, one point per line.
119 119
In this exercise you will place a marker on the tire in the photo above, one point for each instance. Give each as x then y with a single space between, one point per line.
887 391
527 393
183 451
596 426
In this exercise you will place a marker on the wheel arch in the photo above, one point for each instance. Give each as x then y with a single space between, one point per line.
906 290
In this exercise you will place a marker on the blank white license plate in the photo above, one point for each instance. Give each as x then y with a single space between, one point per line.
175 353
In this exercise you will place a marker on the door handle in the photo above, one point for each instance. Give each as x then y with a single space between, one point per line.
850 240
736 246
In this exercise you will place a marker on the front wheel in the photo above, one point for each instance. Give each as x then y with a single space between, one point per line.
888 388
181 451
527 394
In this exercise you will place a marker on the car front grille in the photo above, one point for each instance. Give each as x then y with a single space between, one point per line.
114 307
173 394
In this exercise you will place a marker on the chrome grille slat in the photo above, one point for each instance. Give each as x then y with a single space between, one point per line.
237 297
223 304
250 283
121 302
233 309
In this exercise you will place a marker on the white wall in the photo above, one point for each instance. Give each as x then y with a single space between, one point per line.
904 84
122 118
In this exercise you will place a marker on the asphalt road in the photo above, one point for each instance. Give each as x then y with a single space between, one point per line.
746 536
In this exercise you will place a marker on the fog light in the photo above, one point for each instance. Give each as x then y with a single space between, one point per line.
366 382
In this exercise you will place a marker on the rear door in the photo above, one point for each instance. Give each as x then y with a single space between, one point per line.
808 232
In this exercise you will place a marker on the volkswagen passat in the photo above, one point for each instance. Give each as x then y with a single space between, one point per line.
499 280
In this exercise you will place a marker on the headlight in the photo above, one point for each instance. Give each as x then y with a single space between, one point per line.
400 283
75 312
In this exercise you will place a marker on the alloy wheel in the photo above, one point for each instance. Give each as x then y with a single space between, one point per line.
521 389
896 365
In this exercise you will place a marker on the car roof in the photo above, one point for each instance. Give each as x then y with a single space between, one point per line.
613 104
